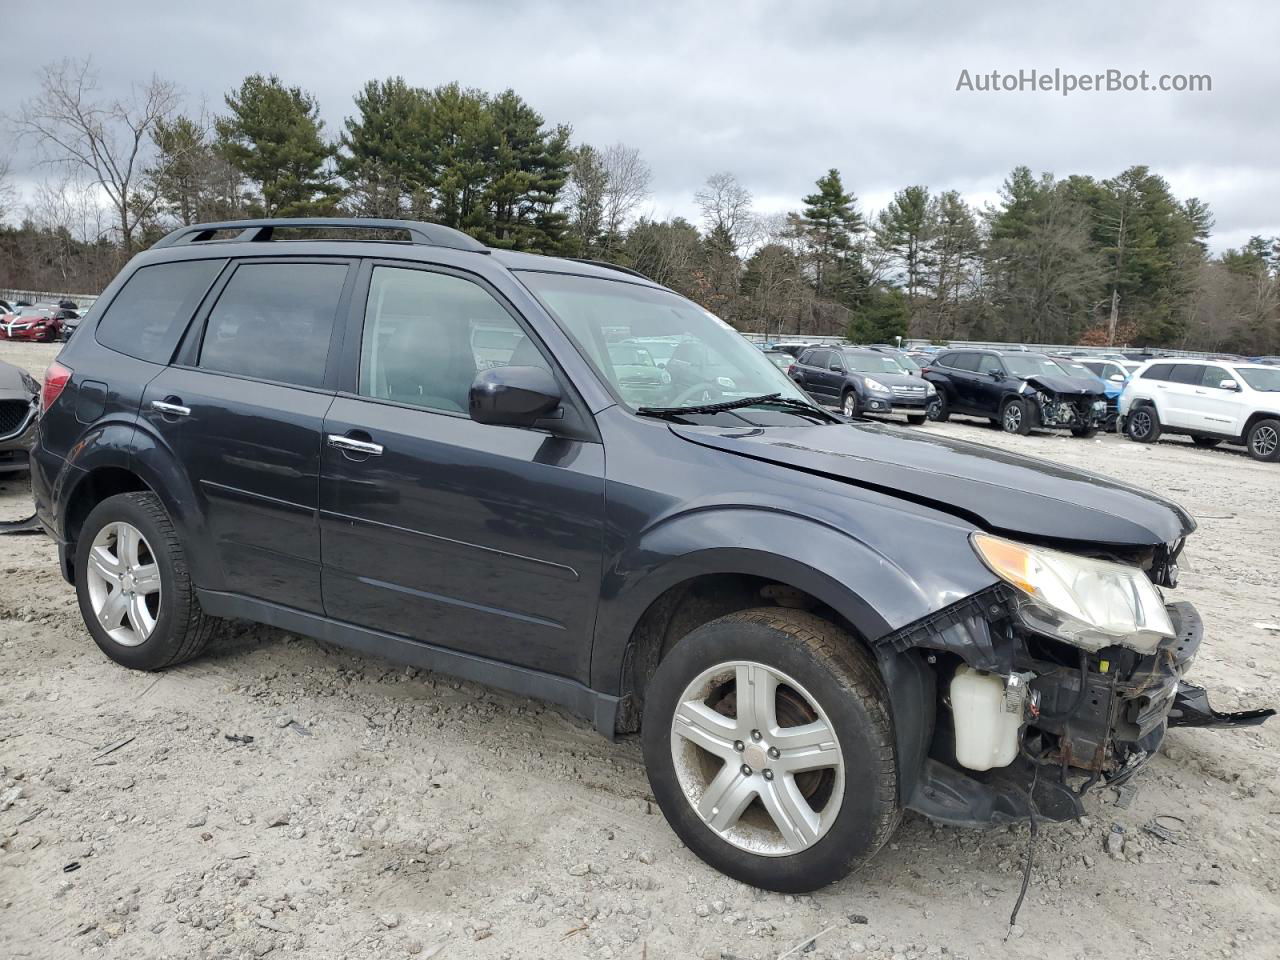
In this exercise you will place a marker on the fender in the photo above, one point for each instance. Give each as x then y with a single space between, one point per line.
853 575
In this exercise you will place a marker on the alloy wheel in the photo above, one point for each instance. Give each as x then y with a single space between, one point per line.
123 580
850 407
1140 423
757 758
1012 417
1265 440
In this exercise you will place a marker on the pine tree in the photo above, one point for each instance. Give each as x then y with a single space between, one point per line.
902 230
829 221
386 157
273 136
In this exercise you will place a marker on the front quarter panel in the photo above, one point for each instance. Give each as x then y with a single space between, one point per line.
677 510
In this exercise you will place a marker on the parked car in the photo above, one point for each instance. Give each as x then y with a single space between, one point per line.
19 404
1212 403
861 381
813 624
1017 390
70 322
1084 370
904 359
780 359
31 323
795 349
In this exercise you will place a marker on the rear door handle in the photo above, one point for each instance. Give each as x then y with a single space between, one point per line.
355 446
170 409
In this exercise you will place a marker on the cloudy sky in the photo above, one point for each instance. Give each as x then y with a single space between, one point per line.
774 92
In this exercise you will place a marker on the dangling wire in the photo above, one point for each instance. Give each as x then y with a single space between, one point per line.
1031 849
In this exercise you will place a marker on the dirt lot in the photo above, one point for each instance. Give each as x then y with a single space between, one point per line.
383 812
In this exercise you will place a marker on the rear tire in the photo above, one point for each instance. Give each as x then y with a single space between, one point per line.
1264 441
1015 417
838 810
145 634
1143 424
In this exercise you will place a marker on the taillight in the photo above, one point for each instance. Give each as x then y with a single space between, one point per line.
791 368
56 379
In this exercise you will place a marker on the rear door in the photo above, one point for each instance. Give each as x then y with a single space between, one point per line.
242 410
964 376
486 539
811 370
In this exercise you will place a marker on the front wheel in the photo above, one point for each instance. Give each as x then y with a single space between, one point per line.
849 404
1016 417
938 410
1264 441
769 747
134 589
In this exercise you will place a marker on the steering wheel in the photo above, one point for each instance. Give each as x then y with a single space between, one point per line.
704 391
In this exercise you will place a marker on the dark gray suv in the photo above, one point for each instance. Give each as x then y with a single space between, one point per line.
424 449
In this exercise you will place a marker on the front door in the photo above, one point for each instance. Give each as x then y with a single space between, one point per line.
242 411
1219 410
484 539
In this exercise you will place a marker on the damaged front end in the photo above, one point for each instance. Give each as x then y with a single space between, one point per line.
1020 709
1067 408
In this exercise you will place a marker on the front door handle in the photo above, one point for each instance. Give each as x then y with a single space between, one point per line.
355 446
170 409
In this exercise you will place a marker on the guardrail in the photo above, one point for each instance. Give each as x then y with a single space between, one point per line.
83 300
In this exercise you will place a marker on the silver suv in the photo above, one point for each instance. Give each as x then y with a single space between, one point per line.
1210 401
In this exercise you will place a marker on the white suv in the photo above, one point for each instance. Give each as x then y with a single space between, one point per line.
1208 400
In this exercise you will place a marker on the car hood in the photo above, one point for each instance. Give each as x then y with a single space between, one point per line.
16 384
894 379
1065 386
1003 492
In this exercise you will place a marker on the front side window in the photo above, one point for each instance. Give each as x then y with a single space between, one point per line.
710 362
147 318
427 335
274 321
1213 377
1266 379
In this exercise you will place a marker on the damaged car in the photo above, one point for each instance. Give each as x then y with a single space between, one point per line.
1017 390
812 624
19 405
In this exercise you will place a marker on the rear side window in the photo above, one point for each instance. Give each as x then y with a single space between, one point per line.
816 358
965 361
274 321
1186 373
147 318
945 360
1157 371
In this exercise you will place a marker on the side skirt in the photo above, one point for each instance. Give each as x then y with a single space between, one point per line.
601 709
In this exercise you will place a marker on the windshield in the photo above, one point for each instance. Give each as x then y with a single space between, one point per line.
1261 378
705 359
1032 366
907 363
873 363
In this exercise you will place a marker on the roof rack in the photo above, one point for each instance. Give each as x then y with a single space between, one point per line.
609 266
253 231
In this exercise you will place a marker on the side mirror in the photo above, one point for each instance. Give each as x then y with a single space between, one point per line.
836 368
995 374
1116 378
513 396
1228 385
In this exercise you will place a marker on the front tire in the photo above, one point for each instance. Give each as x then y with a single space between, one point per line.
1264 441
133 585
1143 424
769 747
849 405
939 411
1016 417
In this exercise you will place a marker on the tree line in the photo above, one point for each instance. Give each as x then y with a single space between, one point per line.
1062 260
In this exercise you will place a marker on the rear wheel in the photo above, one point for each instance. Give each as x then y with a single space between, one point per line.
1143 425
1264 440
849 404
1016 417
135 593
769 747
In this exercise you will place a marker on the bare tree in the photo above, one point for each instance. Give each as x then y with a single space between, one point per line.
109 139
626 184
726 209
7 193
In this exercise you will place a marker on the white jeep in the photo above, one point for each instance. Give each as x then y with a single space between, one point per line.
1211 401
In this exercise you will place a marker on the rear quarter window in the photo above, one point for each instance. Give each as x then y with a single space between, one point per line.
1157 371
148 316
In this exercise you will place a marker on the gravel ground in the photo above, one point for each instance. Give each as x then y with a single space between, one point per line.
279 795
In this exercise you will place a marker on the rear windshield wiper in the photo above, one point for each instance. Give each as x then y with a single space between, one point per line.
724 405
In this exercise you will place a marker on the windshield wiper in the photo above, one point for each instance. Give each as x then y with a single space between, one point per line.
735 405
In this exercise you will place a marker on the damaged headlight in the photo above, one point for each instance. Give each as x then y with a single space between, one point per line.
1088 603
